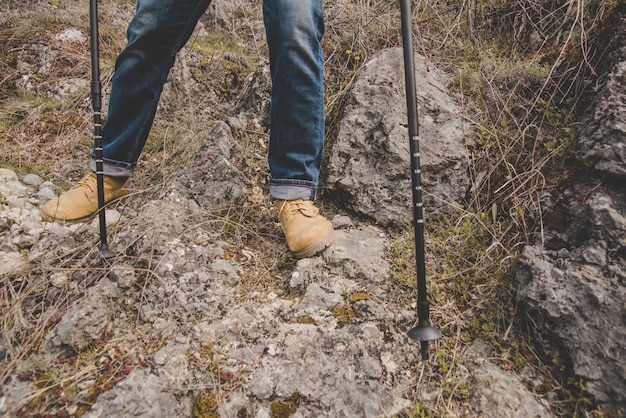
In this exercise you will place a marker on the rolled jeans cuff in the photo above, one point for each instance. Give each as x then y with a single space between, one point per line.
114 170
293 189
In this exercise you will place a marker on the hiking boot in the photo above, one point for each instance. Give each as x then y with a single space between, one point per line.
306 231
81 201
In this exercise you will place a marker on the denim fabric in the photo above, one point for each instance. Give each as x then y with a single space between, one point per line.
294 30
160 28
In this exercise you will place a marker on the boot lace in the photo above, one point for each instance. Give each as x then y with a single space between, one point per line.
291 208
87 182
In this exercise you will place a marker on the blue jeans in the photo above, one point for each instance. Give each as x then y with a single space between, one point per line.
160 28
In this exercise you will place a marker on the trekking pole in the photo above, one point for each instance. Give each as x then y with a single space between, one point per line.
96 102
423 332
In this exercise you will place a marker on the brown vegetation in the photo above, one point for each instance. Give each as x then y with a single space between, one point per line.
522 71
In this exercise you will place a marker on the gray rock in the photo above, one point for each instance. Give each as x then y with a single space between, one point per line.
317 299
574 292
11 187
579 307
358 253
225 272
369 166
341 221
71 35
340 391
603 132
573 287
254 103
15 390
86 320
32 180
124 275
142 394
212 180
496 393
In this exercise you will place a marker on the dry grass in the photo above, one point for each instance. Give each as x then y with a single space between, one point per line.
520 69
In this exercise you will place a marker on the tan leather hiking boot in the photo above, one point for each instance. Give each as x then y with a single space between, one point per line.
81 201
306 231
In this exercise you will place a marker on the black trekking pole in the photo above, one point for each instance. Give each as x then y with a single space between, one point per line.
96 102
423 332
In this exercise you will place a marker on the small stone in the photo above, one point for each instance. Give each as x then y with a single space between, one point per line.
44 194
341 221
160 357
124 275
296 279
71 35
7 174
595 255
58 279
32 180
12 262
111 216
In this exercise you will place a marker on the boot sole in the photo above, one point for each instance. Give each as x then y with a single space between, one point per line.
317 247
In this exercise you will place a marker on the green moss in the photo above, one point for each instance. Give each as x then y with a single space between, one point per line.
355 297
423 411
203 359
344 313
455 389
205 405
206 352
287 407
305 320
44 380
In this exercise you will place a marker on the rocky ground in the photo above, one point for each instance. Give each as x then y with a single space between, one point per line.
330 340
203 312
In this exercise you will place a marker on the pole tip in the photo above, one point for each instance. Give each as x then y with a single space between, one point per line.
424 349
104 253
424 334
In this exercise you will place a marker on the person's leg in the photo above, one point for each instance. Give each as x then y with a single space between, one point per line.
294 31
159 29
